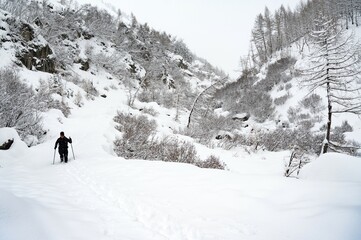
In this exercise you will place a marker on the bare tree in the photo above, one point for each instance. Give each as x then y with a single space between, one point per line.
335 65
297 160
259 38
206 93
268 19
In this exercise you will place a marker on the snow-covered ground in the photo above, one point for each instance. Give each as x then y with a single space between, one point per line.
101 196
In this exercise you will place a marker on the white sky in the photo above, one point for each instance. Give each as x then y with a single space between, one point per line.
217 30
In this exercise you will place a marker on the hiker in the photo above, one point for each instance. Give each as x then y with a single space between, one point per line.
63 147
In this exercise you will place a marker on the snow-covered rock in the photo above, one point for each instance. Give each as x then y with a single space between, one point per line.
17 148
241 116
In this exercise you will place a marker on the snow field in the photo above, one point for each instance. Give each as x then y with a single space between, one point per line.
101 196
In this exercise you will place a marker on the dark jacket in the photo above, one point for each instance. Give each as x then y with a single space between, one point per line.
63 143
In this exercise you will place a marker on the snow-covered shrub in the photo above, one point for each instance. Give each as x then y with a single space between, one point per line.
345 127
160 95
277 140
275 74
181 49
171 149
150 96
151 111
338 142
136 134
211 162
44 96
257 103
78 100
229 143
297 160
174 150
65 55
89 89
19 107
113 87
306 124
260 105
292 113
304 116
283 139
208 126
288 86
313 102
56 85
99 21
62 106
281 100
45 100
74 78
138 142
286 77
169 99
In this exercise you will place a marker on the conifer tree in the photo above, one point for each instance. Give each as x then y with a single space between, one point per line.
334 65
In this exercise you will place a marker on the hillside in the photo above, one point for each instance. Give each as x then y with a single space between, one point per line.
101 196
67 45
164 146
305 93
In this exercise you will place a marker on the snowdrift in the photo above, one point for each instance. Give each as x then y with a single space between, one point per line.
16 149
23 218
333 167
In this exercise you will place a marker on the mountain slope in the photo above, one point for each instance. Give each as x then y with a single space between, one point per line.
101 196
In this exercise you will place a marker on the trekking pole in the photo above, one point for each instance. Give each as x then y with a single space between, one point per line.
54 157
72 150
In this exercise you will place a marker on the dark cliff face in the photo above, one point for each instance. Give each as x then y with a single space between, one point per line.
32 53
38 57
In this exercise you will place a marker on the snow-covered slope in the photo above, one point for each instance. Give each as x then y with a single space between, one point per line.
100 196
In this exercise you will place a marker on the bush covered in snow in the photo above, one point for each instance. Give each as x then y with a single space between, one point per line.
138 141
275 74
313 103
19 106
211 162
150 110
297 160
277 140
207 127
257 103
339 143
53 85
89 89
281 100
137 134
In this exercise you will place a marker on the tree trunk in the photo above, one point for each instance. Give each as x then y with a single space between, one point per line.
328 130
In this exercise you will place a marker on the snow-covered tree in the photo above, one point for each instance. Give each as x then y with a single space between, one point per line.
18 105
259 38
335 66
269 24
